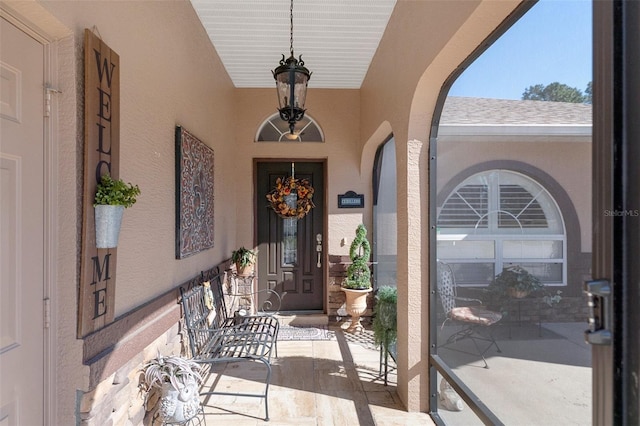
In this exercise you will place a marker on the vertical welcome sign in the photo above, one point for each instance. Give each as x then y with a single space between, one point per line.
101 155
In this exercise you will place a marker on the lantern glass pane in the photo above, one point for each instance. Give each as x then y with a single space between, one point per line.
282 85
300 90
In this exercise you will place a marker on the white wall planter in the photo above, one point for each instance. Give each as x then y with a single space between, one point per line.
108 220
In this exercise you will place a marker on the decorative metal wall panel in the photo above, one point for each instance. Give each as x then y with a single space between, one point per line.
194 195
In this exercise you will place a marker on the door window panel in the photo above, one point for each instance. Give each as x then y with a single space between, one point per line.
289 242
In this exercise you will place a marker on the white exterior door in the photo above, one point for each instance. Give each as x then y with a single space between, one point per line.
21 228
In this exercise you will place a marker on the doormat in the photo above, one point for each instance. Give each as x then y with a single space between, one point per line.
305 332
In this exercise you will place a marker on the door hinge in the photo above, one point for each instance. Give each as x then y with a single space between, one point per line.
47 99
47 312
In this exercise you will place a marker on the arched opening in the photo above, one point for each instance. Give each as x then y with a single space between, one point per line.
385 227
275 129
490 213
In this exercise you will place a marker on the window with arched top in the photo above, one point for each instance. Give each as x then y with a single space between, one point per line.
500 218
275 129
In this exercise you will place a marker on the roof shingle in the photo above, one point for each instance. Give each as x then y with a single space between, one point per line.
465 111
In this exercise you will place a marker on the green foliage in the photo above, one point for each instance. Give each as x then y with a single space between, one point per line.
243 257
115 192
358 273
519 279
588 93
557 92
385 320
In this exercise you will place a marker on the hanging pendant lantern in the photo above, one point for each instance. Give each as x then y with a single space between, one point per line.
291 83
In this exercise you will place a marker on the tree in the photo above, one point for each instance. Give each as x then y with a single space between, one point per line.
556 92
588 93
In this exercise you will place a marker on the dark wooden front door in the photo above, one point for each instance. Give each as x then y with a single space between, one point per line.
291 252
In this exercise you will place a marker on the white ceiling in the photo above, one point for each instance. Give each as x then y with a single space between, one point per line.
337 38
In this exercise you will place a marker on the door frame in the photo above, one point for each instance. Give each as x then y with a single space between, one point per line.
616 187
325 216
50 215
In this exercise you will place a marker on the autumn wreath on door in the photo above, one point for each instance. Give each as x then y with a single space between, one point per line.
291 198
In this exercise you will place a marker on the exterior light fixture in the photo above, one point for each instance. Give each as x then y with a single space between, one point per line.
291 83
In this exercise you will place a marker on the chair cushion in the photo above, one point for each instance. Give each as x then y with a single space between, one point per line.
475 314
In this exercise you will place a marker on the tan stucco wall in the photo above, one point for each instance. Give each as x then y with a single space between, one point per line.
569 163
337 112
170 75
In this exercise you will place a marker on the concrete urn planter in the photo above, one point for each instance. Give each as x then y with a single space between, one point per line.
356 305
179 405
108 219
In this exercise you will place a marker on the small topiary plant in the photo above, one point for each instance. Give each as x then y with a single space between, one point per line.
358 273
115 192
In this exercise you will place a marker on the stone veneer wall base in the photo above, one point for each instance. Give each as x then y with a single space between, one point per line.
117 353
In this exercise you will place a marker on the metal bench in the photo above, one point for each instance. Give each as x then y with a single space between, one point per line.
214 337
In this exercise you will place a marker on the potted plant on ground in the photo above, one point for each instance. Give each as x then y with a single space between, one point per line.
385 323
244 260
112 197
357 283
516 282
177 379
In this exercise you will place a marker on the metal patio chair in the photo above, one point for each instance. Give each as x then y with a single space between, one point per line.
475 321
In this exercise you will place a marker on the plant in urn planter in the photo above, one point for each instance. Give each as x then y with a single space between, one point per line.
177 379
357 284
516 282
112 197
244 260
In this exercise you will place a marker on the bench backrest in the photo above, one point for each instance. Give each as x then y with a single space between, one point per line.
204 309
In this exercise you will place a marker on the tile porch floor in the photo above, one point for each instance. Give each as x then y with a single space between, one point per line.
321 382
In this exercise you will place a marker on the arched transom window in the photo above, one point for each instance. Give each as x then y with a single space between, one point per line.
499 218
275 129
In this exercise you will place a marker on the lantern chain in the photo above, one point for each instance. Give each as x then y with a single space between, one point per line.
291 34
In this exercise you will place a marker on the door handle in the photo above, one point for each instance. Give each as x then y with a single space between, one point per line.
319 250
599 332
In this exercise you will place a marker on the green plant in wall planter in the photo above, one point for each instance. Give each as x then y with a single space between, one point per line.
244 260
112 197
357 283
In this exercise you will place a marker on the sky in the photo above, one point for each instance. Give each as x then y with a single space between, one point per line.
551 42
